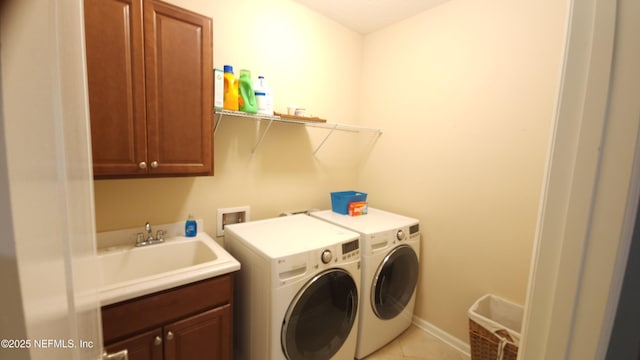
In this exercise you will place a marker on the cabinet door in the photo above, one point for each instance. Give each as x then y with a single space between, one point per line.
146 346
115 72
203 336
179 90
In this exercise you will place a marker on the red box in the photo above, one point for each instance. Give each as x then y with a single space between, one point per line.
358 208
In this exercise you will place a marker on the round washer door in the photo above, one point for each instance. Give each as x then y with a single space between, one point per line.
320 317
394 282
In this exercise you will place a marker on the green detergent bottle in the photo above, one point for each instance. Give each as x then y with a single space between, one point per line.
247 99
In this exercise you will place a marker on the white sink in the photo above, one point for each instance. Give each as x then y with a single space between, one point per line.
129 271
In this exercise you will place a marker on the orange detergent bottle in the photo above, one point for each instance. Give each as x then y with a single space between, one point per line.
230 89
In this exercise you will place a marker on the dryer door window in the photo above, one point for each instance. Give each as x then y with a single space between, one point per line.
395 282
321 316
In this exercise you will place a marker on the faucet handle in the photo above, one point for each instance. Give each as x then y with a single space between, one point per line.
160 234
139 238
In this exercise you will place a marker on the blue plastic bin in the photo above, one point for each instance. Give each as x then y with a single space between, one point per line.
340 200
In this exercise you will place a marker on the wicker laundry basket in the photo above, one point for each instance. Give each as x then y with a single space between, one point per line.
494 328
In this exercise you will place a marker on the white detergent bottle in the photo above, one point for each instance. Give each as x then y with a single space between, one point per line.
264 96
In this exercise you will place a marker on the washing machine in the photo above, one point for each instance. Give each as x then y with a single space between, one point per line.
390 253
297 291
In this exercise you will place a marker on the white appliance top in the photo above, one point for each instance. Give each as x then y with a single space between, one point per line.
289 235
373 222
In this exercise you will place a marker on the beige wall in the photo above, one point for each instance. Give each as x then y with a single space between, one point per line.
466 95
309 61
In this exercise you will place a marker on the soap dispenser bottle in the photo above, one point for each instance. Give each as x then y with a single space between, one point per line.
190 227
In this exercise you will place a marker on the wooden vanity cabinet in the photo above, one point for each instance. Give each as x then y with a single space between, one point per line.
191 336
150 79
194 321
144 346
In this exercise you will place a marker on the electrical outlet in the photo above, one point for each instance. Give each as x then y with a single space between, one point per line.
232 215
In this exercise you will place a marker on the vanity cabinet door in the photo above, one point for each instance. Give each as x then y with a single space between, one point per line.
203 336
145 346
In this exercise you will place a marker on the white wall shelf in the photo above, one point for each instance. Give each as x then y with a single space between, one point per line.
220 114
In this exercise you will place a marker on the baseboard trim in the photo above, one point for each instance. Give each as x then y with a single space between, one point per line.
451 340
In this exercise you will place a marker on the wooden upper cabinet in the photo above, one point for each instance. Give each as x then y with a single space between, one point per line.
179 83
149 68
115 72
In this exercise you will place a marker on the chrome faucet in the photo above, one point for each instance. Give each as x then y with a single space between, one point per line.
143 240
147 228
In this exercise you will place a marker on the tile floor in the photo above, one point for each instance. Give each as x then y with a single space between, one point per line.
417 344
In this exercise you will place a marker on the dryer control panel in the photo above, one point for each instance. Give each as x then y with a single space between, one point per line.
408 233
381 242
414 231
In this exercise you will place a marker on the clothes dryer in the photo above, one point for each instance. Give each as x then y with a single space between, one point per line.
297 289
390 253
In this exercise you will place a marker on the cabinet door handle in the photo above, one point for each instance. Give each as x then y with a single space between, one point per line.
169 335
142 165
157 341
120 355
154 164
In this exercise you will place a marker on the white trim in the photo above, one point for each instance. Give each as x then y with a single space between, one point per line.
461 346
627 26
622 256
586 212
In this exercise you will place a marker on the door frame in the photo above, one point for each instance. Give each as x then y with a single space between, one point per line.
591 190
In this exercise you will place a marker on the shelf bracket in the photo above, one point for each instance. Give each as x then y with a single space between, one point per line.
325 139
217 124
264 133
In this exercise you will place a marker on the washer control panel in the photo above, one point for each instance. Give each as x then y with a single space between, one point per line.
350 249
291 267
350 246
330 256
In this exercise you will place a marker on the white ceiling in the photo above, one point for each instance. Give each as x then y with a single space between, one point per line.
365 16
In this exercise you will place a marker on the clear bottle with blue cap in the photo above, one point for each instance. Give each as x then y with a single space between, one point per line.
264 96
